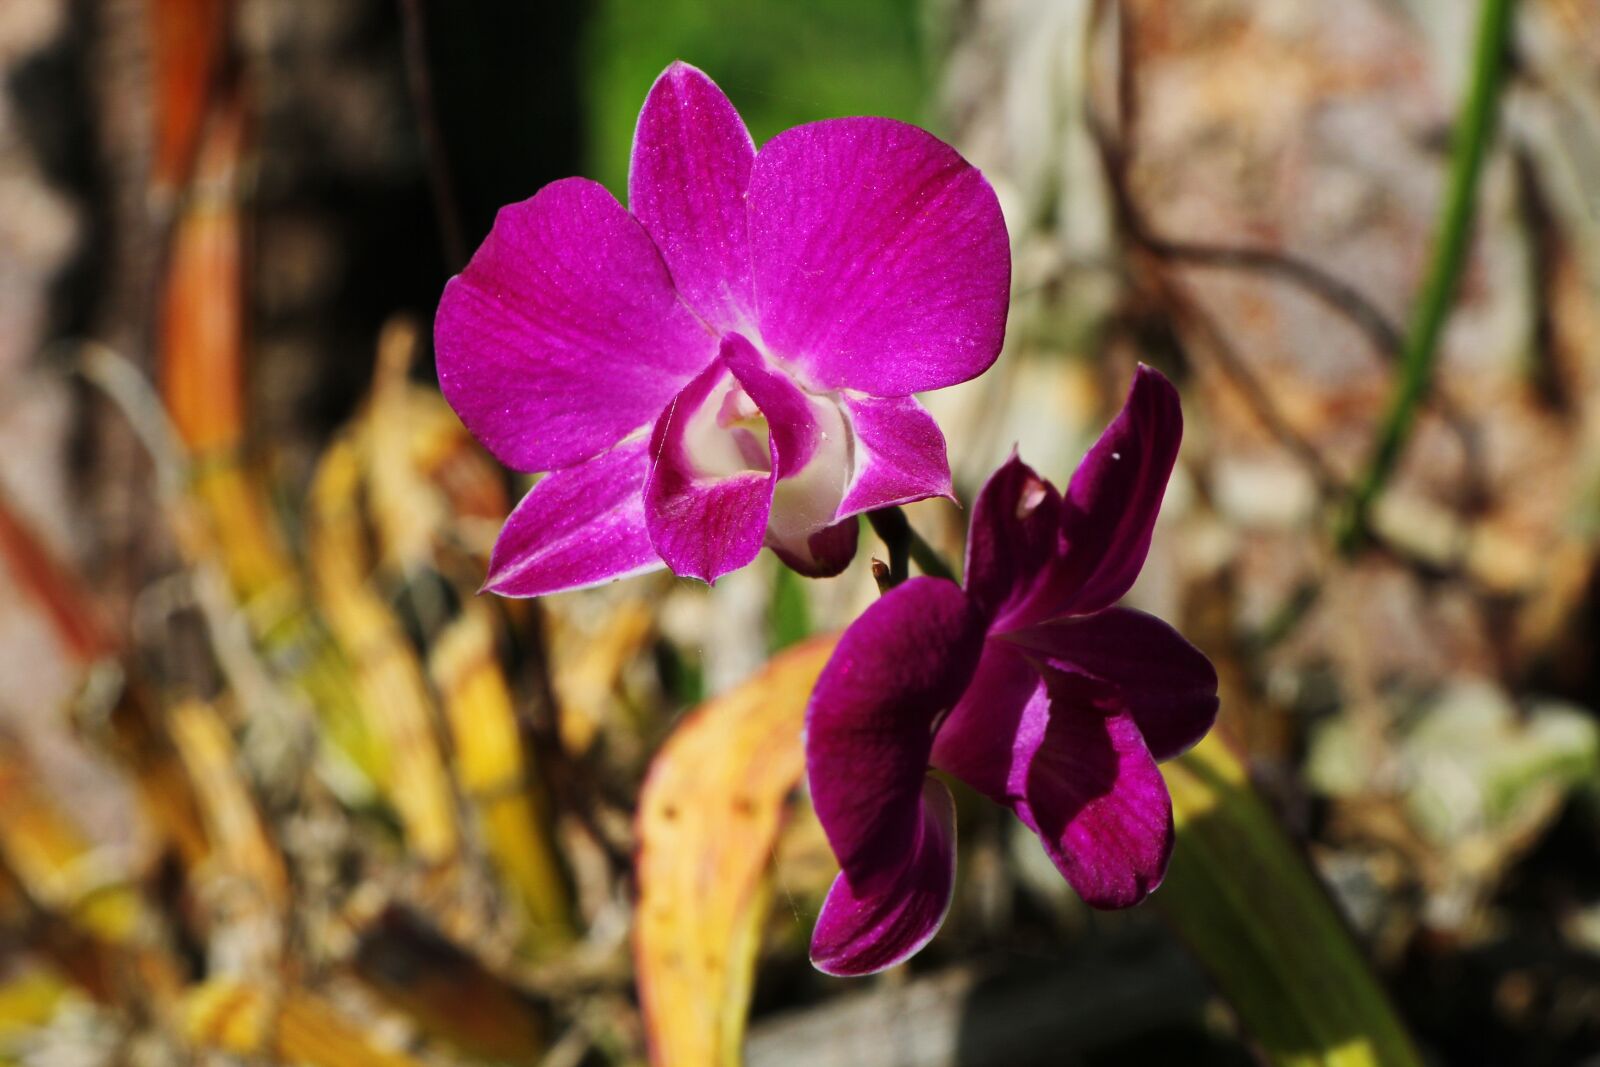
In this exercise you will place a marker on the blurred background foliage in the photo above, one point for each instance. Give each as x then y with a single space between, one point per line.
276 786
781 63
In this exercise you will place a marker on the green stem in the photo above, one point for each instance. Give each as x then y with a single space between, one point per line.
904 545
1474 131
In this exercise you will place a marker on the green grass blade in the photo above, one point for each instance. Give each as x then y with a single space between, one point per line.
1241 894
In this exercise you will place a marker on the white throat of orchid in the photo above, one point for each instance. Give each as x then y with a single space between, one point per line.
729 435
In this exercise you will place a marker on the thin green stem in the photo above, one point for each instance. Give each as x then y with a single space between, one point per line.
904 545
927 558
1474 130
895 532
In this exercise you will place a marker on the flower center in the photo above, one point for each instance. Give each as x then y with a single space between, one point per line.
806 501
728 434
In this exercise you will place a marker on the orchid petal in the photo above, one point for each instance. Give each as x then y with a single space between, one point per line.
567 297
899 454
577 527
1095 797
880 257
977 742
1169 686
703 523
1109 510
1013 537
686 184
825 554
861 933
788 411
869 726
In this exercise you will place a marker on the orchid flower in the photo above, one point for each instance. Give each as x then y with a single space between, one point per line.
1028 684
730 361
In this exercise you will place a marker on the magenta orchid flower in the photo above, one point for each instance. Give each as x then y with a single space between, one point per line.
1028 684
731 362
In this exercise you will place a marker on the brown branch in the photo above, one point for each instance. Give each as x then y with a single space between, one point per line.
420 81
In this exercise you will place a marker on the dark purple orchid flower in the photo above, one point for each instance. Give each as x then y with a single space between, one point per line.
1027 684
731 364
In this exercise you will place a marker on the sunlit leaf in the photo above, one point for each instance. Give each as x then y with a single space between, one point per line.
28 998
1243 898
709 816
495 774
388 675
243 854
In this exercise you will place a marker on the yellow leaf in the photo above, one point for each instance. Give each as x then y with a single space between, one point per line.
242 848
53 861
394 693
709 817
496 775
298 1027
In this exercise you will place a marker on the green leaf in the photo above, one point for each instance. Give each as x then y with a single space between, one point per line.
1243 897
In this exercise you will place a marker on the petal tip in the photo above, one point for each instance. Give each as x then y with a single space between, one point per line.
680 68
1138 889
1154 387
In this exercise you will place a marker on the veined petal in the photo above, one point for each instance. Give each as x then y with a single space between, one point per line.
977 742
1016 524
705 503
899 454
1109 510
563 335
1168 685
686 184
577 527
1095 797
861 933
880 257
869 725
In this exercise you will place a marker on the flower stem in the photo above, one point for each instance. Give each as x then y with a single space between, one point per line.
904 545
1474 129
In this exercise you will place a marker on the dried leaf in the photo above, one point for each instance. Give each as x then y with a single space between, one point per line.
496 775
37 571
202 308
709 817
394 692
448 992
588 655
187 38
166 792
53 861
298 1027
242 849
28 1000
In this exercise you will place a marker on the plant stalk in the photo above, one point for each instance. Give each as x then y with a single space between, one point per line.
1474 131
